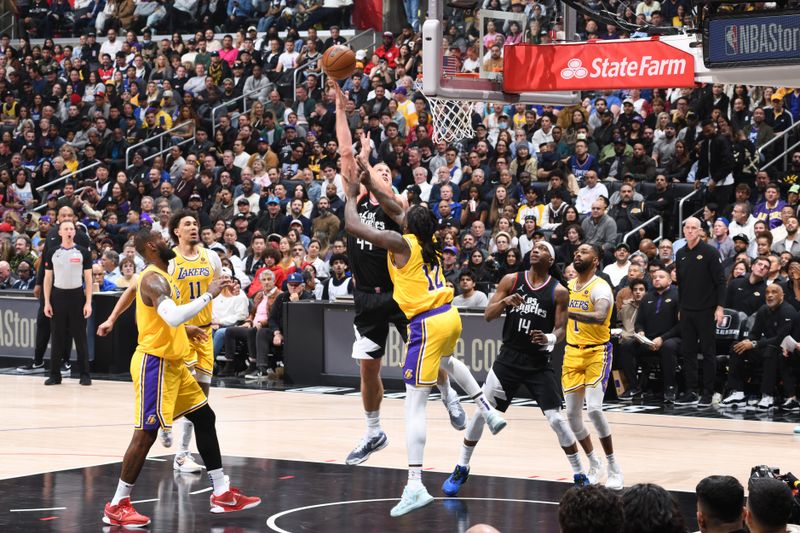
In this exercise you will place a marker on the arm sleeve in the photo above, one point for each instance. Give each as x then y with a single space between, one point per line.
216 263
175 315
87 259
602 291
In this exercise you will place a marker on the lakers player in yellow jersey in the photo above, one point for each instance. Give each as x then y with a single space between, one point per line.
193 269
165 389
414 262
587 360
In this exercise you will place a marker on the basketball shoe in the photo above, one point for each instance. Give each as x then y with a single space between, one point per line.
367 447
31 368
452 484
123 514
615 480
413 498
458 418
580 480
184 462
495 422
232 501
596 471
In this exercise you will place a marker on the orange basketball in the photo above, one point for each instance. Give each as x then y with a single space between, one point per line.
339 62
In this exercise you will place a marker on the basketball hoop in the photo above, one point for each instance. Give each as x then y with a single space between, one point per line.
452 119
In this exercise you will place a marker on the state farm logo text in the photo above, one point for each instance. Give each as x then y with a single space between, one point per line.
610 68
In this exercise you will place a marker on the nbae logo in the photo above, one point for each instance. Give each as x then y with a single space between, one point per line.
731 40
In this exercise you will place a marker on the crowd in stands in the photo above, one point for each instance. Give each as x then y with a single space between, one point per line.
215 124
721 507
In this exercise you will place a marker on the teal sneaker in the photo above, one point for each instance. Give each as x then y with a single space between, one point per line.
412 499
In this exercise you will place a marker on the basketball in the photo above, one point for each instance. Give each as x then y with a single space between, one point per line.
339 62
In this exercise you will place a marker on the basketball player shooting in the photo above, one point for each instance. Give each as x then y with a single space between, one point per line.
375 307
165 388
414 261
587 360
535 304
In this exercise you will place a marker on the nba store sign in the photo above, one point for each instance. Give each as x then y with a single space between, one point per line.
639 63
757 39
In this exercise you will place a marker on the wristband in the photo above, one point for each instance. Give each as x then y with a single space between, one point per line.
551 339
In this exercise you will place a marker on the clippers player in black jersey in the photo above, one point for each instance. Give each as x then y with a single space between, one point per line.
536 316
375 307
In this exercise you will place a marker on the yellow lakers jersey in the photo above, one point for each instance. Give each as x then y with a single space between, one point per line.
193 277
418 287
582 301
156 337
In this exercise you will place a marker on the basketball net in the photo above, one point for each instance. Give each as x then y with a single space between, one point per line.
452 119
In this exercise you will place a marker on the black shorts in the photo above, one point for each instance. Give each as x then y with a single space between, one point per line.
540 382
374 313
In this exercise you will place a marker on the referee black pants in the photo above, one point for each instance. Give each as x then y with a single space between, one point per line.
699 327
68 317
43 335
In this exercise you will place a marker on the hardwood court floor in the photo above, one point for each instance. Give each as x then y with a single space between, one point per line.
45 429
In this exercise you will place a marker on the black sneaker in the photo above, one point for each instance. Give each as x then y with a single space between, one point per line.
631 395
86 379
669 395
31 368
790 405
53 381
705 400
687 398
256 373
66 369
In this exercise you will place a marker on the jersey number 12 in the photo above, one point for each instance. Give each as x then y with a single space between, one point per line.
434 279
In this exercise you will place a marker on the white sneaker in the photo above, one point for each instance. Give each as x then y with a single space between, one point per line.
458 418
185 463
495 422
596 472
766 402
734 399
615 479
166 437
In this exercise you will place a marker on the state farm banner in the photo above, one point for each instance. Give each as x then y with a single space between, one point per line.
636 63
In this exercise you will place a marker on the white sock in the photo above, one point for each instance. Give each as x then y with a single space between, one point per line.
416 430
219 481
575 462
612 461
483 404
466 455
187 428
373 423
593 459
414 476
123 491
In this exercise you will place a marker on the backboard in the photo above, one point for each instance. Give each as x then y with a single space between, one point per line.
440 79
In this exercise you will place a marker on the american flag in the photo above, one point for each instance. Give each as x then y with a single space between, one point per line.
449 65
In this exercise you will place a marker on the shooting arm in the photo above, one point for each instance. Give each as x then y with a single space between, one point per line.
343 134
123 303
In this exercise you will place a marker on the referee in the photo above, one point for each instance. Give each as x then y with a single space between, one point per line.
52 242
701 283
68 287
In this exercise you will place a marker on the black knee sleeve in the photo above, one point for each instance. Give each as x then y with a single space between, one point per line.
205 432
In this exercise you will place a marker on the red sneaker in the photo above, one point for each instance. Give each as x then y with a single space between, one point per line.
123 514
233 501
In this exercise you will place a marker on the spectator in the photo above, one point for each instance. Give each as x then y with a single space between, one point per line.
769 504
26 278
469 297
340 283
648 507
7 278
773 322
720 504
591 509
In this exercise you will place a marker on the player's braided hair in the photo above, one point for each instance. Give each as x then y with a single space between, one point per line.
422 223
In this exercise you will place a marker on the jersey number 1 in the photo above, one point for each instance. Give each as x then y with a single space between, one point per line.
434 281
194 290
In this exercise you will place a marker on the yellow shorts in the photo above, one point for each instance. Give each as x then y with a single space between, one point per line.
431 335
201 355
587 367
165 390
